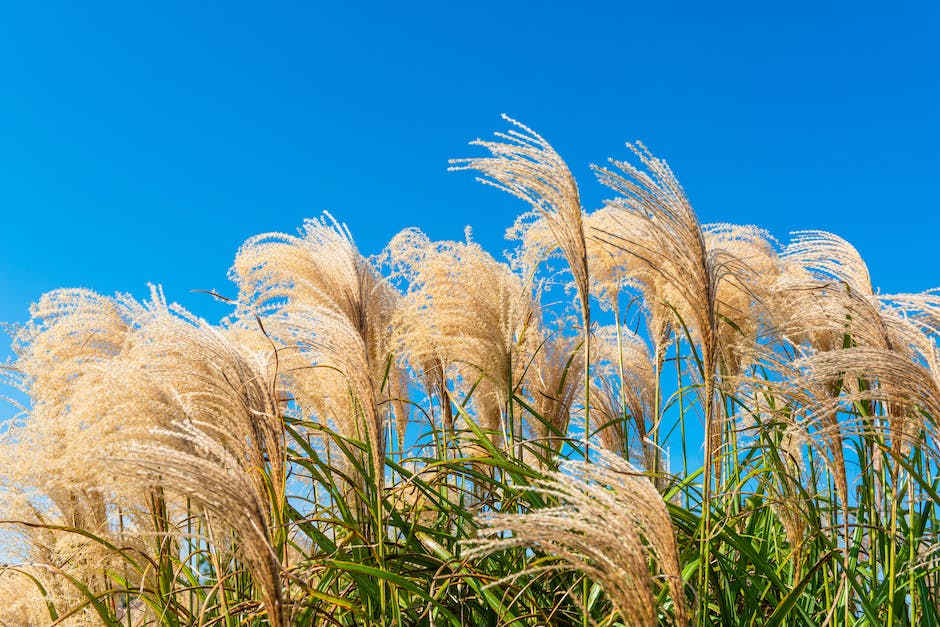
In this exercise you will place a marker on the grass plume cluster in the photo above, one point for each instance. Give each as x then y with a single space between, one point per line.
632 419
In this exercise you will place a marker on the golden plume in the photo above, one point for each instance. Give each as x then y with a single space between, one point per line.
610 523
329 311
465 314
526 166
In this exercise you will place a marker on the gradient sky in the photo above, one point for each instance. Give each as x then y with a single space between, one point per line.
143 142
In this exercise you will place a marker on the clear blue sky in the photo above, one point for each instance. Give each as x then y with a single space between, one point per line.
145 141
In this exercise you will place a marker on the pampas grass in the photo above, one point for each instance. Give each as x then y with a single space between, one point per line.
610 522
715 429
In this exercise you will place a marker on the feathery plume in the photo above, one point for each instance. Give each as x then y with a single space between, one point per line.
626 380
610 523
111 376
921 310
191 462
749 270
330 312
23 604
828 256
909 388
824 294
555 385
655 228
526 166
468 312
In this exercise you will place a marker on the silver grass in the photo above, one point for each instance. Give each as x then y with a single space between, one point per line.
26 523
921 310
23 602
825 294
653 225
909 388
610 523
330 312
202 468
109 375
613 272
825 300
468 313
526 166
626 382
229 436
64 350
555 384
829 256
750 269
808 406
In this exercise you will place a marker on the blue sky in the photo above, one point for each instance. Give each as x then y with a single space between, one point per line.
143 142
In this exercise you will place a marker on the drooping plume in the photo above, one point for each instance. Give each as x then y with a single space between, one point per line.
749 270
652 224
330 312
626 380
555 383
609 522
526 166
467 312
224 449
138 400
